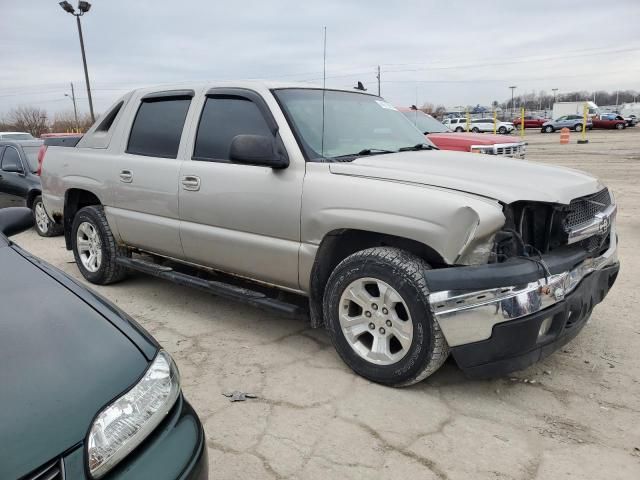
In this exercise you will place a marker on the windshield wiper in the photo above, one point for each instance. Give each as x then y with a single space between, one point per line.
419 146
365 152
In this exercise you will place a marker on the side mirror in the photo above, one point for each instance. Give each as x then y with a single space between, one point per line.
257 150
14 220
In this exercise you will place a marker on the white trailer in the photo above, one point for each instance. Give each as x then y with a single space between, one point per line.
628 109
573 108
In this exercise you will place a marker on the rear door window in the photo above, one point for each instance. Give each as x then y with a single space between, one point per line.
158 126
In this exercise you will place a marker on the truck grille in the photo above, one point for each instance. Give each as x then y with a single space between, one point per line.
583 209
51 471
511 150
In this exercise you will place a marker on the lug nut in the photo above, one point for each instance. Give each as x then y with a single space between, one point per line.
372 326
374 306
385 311
388 323
381 330
367 314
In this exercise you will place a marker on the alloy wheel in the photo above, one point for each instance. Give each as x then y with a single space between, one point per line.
89 246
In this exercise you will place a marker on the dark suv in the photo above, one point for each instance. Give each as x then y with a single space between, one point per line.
20 183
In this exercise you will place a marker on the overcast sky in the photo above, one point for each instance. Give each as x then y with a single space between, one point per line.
450 52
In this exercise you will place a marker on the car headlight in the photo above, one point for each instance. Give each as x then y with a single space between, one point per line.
126 422
478 252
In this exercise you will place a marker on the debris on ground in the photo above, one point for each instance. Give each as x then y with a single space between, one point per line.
238 396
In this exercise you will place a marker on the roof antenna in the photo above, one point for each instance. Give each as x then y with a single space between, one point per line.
324 85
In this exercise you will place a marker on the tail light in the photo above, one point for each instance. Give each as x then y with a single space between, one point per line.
41 152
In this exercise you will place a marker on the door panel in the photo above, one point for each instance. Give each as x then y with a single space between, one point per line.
13 185
145 176
243 219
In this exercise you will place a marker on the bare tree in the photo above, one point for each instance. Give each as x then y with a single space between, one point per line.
29 119
65 122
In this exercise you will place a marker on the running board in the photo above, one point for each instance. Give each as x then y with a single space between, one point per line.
221 289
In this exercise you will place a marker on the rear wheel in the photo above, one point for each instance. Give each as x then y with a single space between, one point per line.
377 312
95 248
475 130
43 225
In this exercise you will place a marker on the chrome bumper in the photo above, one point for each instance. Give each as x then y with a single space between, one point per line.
514 149
469 316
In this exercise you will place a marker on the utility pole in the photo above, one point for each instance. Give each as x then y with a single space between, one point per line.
513 87
75 108
617 94
554 90
83 8
378 77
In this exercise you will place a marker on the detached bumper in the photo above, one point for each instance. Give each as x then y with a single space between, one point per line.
504 317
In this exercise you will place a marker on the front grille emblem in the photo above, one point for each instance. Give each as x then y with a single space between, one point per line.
603 226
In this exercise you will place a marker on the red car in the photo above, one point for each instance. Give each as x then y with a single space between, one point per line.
443 138
530 121
609 120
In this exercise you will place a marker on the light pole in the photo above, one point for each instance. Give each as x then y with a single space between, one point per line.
554 90
75 108
513 87
83 7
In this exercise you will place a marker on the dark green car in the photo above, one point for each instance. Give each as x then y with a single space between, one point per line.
85 392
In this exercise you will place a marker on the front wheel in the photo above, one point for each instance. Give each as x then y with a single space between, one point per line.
377 312
94 247
44 226
548 129
459 129
620 126
475 130
578 127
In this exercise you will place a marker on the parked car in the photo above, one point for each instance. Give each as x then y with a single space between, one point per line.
530 121
20 183
16 136
609 120
86 391
572 122
631 120
402 251
442 137
477 125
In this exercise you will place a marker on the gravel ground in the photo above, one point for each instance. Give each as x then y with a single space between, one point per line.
573 416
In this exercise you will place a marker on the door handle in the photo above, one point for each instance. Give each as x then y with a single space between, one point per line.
191 183
126 176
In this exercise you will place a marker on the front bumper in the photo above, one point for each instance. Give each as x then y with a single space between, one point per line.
513 149
491 315
175 450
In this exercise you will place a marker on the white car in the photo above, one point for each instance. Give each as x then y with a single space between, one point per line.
486 125
456 124
16 136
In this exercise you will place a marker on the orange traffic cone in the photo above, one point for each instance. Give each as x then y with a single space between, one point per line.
564 136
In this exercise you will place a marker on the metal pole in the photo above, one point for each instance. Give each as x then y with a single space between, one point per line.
86 72
75 108
378 76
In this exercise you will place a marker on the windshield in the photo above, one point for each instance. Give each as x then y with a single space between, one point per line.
425 123
17 136
353 123
32 157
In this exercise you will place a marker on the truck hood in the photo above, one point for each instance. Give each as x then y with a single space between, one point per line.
491 176
470 138
61 362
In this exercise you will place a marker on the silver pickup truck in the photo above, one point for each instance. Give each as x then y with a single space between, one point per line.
276 193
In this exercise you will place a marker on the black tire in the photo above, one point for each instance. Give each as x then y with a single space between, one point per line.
109 271
48 229
459 129
475 130
502 130
620 126
548 129
404 272
578 127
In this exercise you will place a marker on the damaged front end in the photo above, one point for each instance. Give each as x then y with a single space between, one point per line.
528 288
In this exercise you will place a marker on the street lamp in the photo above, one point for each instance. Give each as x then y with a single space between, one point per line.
83 8
513 87
75 109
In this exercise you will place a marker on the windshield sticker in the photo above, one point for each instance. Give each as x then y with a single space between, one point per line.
386 105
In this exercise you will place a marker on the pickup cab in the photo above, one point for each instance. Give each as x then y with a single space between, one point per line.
331 204
445 139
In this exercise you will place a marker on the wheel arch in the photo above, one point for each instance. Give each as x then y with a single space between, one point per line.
338 244
31 196
74 200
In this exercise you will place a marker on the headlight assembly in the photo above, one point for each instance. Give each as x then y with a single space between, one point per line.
478 253
126 422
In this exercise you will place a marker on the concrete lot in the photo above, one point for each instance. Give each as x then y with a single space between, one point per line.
575 415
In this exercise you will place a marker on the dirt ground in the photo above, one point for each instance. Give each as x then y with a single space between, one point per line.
576 415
